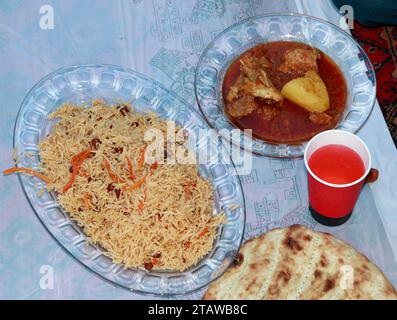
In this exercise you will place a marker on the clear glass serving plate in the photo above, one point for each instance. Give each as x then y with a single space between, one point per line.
232 42
81 84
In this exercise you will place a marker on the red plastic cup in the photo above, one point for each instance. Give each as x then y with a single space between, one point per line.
332 204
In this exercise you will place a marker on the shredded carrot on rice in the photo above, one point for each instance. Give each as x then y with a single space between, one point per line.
130 169
112 175
77 162
202 233
141 158
27 171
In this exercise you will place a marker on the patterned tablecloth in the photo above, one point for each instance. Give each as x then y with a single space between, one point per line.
162 39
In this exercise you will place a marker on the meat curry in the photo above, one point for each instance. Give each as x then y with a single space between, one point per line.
285 92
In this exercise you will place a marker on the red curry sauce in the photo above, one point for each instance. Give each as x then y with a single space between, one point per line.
292 123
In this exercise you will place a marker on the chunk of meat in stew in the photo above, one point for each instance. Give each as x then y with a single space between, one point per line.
242 107
299 61
250 65
252 83
233 90
321 118
259 90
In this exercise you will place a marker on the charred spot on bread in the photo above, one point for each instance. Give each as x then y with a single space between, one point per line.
329 284
238 260
292 244
317 274
323 261
285 275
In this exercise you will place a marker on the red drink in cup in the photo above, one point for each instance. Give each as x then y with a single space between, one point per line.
337 163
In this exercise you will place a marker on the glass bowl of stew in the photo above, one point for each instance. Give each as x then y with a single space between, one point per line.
283 129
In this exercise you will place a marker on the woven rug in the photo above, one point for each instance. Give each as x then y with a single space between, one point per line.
380 44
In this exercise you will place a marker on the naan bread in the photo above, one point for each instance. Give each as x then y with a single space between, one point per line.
299 263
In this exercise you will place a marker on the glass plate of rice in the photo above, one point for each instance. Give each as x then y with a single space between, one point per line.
115 86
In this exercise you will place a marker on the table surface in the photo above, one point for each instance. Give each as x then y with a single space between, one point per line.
162 39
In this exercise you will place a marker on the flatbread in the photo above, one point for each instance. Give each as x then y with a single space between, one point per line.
299 263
